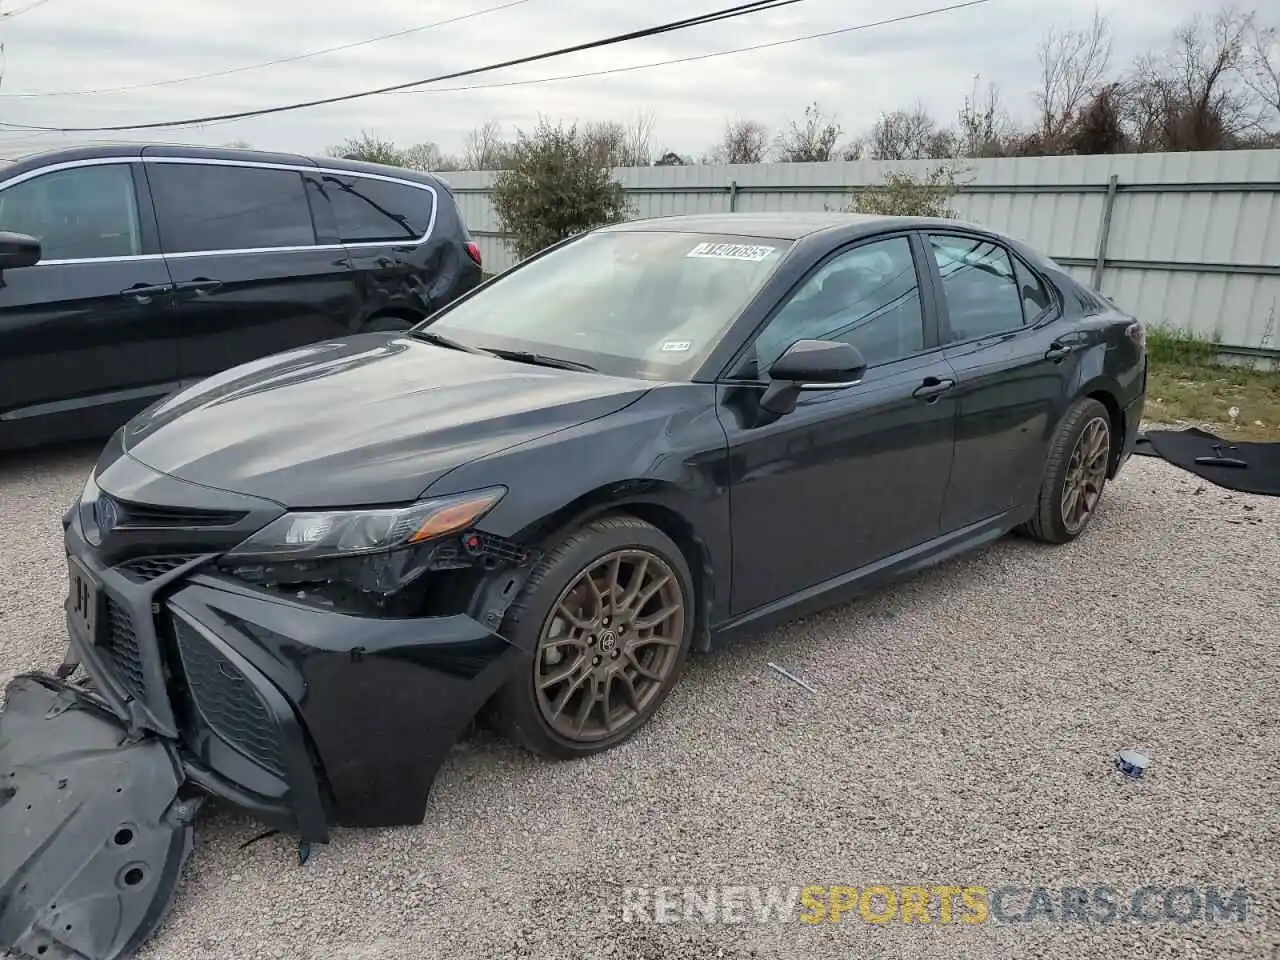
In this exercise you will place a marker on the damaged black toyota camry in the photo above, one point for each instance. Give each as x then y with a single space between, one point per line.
295 584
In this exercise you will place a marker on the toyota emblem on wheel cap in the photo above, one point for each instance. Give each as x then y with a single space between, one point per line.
608 640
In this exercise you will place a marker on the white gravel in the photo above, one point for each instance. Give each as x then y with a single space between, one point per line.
963 731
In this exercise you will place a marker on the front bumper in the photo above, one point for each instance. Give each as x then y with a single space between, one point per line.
306 717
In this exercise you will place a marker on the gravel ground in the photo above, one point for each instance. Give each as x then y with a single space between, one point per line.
962 732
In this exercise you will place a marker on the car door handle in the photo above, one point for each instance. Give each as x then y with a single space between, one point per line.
200 285
1058 351
143 292
932 388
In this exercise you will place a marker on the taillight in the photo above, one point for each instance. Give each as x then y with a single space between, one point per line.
1137 333
473 251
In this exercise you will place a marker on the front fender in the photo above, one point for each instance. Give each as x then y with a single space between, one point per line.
666 452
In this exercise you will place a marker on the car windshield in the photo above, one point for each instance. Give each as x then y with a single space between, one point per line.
646 304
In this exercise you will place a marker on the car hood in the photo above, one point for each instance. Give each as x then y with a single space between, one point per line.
373 418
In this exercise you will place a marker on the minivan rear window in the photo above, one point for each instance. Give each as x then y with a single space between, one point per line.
203 207
369 211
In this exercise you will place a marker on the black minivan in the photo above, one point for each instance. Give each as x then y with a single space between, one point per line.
162 265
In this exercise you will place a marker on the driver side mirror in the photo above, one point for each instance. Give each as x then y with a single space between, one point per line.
18 250
811 365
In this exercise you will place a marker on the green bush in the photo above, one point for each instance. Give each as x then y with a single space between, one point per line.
902 195
556 187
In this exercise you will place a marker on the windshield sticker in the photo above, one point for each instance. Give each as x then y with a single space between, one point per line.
676 346
731 251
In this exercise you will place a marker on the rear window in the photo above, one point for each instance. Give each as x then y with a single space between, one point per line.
213 207
369 211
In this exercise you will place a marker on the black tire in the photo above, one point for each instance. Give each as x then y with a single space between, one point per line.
386 323
1050 524
516 710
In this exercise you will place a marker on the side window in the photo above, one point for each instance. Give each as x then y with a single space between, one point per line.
1035 298
77 214
979 284
369 211
212 207
868 297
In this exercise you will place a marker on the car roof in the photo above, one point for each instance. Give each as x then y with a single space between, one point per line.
784 225
91 151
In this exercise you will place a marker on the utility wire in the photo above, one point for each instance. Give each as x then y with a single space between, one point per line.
726 13
258 66
21 10
704 56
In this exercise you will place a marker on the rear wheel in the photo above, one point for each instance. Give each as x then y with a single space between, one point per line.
609 615
1075 474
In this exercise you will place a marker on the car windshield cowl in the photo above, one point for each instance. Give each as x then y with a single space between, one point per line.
644 304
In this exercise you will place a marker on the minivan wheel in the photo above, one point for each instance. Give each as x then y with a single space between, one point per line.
609 616
1075 474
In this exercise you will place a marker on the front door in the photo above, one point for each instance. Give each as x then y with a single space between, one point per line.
1013 369
86 335
852 475
251 277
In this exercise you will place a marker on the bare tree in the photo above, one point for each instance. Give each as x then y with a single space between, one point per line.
485 148
1186 97
743 141
1261 65
983 125
638 148
1099 126
814 140
1073 66
615 143
904 135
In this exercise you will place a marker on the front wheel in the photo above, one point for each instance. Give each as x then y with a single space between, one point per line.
1075 474
609 616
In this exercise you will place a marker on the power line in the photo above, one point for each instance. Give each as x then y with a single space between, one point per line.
726 13
257 66
705 56
21 10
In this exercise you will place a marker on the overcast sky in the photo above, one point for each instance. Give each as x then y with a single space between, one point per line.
82 45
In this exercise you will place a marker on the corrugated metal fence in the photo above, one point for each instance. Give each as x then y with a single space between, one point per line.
1190 241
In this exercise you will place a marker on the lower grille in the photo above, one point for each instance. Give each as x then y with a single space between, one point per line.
145 569
121 650
227 700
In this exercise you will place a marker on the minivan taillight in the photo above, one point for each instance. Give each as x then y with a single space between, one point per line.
473 251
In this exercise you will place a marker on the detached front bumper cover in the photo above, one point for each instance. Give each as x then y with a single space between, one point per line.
94 832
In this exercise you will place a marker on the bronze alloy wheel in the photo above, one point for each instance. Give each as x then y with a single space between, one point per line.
1086 474
609 644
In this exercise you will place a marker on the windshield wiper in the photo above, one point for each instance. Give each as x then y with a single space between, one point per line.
541 359
440 340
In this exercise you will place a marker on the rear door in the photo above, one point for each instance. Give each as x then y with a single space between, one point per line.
86 335
252 275
1014 365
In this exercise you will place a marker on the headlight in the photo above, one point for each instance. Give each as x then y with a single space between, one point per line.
348 533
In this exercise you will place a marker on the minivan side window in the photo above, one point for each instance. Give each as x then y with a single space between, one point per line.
369 211
80 213
980 286
205 207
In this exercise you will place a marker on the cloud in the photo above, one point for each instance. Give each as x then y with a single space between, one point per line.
69 45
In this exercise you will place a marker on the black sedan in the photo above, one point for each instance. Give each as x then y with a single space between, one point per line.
301 579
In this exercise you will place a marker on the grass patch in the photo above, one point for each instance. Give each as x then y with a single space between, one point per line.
1188 387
